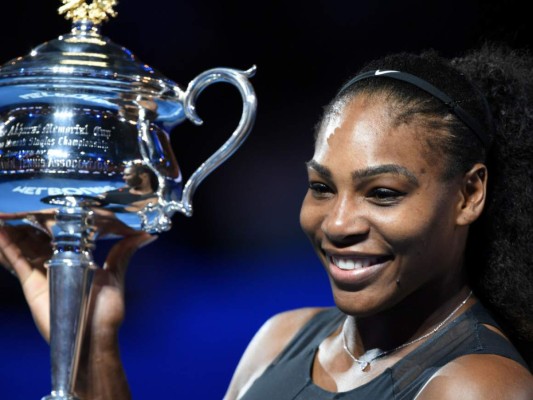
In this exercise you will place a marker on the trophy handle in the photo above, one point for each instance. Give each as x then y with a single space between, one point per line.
196 86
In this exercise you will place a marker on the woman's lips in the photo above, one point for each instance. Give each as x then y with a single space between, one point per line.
356 269
350 263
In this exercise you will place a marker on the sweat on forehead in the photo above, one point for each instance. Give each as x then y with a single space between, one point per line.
392 112
378 116
340 110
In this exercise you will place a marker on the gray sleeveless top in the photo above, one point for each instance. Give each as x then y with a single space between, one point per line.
289 376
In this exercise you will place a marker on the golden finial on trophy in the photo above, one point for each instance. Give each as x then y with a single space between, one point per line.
96 12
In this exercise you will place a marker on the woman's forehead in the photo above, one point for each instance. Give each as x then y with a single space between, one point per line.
364 131
352 111
357 119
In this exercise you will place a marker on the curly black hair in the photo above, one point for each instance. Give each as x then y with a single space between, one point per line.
500 251
494 86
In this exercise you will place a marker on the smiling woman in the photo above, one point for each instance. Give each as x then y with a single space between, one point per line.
381 201
404 209
419 208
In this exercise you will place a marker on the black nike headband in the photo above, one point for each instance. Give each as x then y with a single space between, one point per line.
454 107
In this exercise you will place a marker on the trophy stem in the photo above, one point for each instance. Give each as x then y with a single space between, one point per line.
70 274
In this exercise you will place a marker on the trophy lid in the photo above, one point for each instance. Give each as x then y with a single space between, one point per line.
88 68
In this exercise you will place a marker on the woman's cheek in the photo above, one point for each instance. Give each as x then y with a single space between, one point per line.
310 216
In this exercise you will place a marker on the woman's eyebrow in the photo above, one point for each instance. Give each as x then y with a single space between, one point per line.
385 169
324 171
367 172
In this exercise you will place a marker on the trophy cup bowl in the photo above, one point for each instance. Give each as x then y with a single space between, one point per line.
79 118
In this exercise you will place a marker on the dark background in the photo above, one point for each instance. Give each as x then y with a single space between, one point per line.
197 295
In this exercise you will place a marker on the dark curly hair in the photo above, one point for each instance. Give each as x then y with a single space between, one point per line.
499 251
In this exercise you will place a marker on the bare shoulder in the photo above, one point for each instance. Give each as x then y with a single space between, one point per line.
479 376
265 346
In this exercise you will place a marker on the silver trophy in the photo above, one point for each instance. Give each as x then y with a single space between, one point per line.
81 117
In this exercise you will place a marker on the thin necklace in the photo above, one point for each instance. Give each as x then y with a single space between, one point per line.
372 355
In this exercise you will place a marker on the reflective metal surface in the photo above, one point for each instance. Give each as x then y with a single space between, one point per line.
79 109
84 135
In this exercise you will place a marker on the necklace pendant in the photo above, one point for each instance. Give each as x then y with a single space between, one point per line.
371 355
363 365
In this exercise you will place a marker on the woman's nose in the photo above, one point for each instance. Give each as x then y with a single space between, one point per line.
345 221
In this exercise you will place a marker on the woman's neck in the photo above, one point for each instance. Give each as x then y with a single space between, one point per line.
415 316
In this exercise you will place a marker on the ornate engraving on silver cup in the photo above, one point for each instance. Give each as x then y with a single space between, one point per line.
53 148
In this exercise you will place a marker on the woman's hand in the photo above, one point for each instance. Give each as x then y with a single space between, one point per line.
101 375
24 251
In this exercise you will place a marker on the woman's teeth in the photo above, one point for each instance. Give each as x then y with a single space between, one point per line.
354 263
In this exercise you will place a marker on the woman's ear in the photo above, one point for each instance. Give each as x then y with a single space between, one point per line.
473 194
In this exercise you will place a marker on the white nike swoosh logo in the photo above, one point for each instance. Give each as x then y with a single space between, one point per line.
378 72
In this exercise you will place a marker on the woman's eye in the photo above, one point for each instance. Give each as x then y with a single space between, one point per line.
319 189
385 196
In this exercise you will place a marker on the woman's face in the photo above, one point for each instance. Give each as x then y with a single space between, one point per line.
379 214
131 177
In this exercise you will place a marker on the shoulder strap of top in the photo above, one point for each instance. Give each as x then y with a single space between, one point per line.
482 315
464 335
312 333
494 342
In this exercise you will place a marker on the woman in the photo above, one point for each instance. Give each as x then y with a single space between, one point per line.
408 209
397 187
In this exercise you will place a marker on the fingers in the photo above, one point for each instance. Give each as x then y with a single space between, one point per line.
25 243
17 215
107 223
118 258
11 257
3 259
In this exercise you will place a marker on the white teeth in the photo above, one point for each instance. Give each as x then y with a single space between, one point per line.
346 264
353 263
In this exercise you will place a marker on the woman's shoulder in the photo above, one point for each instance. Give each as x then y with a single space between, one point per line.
479 376
266 345
277 332
285 325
